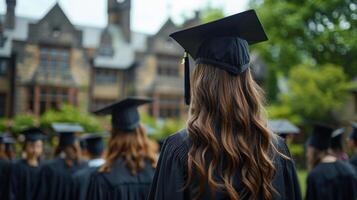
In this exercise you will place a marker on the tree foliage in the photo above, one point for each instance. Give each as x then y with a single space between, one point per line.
314 92
68 113
321 31
22 121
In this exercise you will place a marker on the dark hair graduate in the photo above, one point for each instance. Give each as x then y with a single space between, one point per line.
134 146
242 140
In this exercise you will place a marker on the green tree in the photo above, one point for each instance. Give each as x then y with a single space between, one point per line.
210 14
22 121
315 92
68 113
322 31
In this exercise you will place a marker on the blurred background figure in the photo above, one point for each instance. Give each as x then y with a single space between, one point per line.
56 175
352 144
131 158
94 148
337 146
5 168
10 152
329 178
25 171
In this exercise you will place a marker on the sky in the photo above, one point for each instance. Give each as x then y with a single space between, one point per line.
147 15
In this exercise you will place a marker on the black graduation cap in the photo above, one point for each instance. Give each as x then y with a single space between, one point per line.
125 115
67 132
321 136
222 43
33 134
283 127
336 138
94 144
353 134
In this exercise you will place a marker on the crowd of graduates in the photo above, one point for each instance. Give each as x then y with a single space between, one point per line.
227 150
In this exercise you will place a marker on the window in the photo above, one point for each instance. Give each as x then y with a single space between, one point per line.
54 59
3 67
170 106
167 66
106 76
2 105
49 98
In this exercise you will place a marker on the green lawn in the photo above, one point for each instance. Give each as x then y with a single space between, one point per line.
302 175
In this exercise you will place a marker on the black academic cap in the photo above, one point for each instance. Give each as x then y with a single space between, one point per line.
353 134
222 43
94 144
125 115
336 138
33 134
67 132
9 140
282 127
321 137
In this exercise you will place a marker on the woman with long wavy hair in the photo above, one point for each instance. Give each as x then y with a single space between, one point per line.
131 156
227 151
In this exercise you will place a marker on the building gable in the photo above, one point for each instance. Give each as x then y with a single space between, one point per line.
55 28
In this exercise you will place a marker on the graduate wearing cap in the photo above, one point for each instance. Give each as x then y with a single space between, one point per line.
337 146
226 139
9 142
5 170
25 171
94 147
130 159
329 178
352 144
56 176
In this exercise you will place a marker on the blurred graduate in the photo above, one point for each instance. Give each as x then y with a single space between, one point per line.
56 175
227 150
337 146
131 157
94 147
5 170
25 171
352 144
329 178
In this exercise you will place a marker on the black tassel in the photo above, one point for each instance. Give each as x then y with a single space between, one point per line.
187 80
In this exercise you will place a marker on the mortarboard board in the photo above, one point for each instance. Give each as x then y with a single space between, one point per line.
282 127
125 115
67 132
33 134
94 144
321 136
222 43
353 134
336 138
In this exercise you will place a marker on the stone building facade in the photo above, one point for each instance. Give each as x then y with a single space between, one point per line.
47 62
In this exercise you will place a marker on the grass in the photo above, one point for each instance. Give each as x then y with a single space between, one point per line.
302 175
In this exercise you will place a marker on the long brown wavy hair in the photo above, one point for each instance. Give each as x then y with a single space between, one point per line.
134 147
227 127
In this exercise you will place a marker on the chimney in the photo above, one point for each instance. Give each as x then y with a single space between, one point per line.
10 14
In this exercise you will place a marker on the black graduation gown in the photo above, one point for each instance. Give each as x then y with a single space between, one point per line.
353 161
56 180
332 181
81 182
5 171
119 184
170 173
24 179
